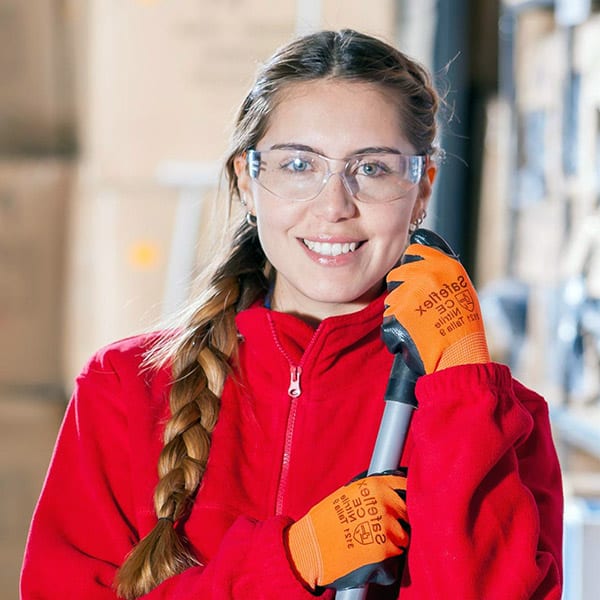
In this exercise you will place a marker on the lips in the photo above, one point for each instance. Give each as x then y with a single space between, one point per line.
331 249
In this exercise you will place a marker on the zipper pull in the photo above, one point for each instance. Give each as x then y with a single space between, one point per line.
294 390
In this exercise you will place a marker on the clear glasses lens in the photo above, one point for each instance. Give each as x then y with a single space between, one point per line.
301 175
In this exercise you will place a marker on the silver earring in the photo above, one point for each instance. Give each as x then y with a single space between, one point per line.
243 201
417 222
251 219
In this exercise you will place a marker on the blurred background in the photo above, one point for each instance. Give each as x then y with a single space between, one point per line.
114 118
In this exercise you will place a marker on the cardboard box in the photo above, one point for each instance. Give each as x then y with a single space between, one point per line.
494 210
163 80
338 14
586 57
34 199
121 240
587 47
542 359
37 111
540 61
541 232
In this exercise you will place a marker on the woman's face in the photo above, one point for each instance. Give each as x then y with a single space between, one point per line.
337 119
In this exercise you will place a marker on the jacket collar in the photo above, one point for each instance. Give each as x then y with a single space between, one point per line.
258 325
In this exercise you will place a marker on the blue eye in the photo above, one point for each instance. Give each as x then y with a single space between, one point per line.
297 165
372 169
369 169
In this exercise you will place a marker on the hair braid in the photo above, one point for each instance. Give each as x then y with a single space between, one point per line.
200 359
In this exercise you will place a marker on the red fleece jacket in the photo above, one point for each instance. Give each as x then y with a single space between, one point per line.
484 489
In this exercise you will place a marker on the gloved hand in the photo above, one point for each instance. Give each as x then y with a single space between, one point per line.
353 536
432 315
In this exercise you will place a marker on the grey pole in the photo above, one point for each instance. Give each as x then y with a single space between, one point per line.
399 405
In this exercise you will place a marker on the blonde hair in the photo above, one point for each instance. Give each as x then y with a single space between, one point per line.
202 351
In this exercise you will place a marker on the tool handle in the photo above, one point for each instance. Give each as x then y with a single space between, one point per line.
399 405
390 439
353 594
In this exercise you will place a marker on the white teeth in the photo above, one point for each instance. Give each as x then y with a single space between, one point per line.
327 249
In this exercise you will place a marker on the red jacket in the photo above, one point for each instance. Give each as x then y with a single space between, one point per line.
484 489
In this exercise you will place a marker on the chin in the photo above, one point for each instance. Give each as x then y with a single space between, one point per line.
350 297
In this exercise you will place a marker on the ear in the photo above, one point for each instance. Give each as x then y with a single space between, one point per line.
244 182
425 190
426 187
241 172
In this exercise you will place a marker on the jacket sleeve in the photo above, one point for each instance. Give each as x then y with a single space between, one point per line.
86 519
484 490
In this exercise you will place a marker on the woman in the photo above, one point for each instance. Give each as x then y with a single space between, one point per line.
264 405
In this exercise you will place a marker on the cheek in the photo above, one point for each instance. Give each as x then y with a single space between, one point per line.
389 234
274 221
391 225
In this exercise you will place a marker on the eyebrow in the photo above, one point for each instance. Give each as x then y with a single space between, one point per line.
378 149
367 150
293 146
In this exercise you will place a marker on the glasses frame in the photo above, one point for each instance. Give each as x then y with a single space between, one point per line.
253 161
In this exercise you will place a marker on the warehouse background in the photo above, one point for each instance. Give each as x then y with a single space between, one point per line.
115 115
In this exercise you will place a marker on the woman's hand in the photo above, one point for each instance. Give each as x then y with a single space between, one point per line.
354 536
432 315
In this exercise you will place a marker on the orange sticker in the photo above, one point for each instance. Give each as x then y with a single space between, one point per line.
143 255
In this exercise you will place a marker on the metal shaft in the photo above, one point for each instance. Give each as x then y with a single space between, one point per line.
399 406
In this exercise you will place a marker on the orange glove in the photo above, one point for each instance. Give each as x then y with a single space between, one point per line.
353 536
432 314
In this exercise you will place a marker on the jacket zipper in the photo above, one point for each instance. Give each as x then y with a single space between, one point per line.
294 392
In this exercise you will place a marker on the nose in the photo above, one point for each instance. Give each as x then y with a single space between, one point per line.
335 202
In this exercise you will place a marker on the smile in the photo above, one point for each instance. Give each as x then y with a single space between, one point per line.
329 249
